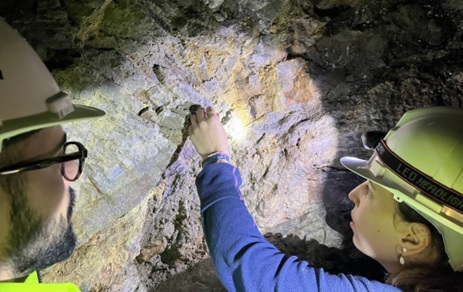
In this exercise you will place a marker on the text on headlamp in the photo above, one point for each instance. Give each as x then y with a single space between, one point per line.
419 180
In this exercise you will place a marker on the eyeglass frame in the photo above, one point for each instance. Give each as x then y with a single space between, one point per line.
81 155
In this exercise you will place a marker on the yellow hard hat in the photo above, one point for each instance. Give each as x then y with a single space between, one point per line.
420 161
30 99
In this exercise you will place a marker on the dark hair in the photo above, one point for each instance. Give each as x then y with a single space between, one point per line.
18 138
10 153
8 156
440 276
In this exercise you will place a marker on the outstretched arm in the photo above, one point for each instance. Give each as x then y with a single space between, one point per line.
243 259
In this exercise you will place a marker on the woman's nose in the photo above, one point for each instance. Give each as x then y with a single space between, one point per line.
353 197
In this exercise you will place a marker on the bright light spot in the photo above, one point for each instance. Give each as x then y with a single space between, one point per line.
235 129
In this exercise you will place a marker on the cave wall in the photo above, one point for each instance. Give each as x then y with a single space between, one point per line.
296 83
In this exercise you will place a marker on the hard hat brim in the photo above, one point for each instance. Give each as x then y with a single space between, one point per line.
361 167
18 126
357 166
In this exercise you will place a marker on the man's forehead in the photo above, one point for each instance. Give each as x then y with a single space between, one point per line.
44 141
47 136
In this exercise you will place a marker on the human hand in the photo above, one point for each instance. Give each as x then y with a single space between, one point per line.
207 133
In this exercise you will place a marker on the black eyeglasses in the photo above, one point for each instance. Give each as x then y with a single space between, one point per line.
72 162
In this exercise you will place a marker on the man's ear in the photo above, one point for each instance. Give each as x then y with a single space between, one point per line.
416 240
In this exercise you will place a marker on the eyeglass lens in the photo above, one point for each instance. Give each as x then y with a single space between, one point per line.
71 169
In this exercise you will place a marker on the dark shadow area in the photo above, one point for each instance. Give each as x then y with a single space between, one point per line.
62 32
373 63
346 260
200 277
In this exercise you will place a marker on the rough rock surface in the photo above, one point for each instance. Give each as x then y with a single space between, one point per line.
296 83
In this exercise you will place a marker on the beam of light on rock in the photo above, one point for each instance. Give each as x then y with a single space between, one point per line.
235 128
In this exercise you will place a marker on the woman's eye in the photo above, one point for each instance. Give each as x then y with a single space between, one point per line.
367 190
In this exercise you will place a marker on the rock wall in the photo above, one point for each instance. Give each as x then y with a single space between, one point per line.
296 83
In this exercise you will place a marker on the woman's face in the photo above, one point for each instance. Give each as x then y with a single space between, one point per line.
375 224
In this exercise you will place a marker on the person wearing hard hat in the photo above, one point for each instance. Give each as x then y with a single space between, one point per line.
37 166
407 215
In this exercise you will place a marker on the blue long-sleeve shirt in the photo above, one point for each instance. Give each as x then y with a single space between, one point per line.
243 259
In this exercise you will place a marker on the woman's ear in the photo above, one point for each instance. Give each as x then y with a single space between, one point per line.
416 240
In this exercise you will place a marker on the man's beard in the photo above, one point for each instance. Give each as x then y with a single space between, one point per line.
35 244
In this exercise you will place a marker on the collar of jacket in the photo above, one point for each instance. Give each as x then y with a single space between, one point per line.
32 284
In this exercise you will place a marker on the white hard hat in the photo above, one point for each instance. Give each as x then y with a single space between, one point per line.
30 99
420 161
